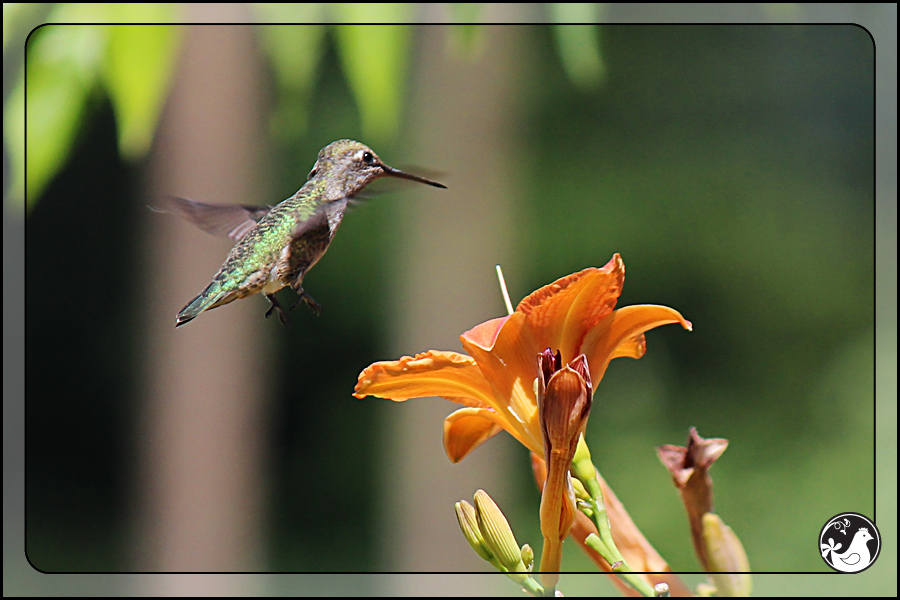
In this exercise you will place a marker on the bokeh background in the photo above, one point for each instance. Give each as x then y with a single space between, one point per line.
732 166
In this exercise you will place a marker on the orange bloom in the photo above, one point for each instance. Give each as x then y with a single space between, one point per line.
495 382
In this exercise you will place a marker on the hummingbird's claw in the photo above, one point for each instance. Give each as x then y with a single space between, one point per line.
304 297
282 316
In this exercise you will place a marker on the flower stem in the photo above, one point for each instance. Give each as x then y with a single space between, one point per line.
528 583
584 470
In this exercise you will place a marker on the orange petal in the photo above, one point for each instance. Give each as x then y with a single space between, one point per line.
634 347
612 336
561 313
468 428
485 334
510 366
450 375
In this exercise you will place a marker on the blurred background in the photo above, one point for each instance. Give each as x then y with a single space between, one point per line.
732 167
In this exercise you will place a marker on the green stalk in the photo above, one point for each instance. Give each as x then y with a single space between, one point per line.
528 583
584 470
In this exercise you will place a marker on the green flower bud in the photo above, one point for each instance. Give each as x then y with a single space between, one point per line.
527 557
580 492
582 468
726 554
468 523
497 535
704 590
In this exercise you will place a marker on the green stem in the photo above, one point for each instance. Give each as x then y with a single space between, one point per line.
603 543
528 583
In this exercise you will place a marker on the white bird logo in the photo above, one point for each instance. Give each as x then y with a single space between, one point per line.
853 559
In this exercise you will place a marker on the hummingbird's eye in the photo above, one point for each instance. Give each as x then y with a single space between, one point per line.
368 158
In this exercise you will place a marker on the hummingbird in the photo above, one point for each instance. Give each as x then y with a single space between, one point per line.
276 246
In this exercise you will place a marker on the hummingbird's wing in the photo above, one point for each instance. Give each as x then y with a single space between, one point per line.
230 220
314 228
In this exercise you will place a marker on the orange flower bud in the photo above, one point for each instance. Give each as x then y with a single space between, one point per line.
564 397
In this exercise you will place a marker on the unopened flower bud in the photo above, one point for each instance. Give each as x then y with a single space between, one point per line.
582 466
468 523
496 532
580 492
727 556
527 557
564 402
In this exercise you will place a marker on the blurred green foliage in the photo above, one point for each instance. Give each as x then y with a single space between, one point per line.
66 65
134 64
578 45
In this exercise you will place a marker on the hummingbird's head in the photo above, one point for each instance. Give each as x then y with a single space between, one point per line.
353 166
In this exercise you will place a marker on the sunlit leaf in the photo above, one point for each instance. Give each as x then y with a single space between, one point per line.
137 71
295 52
579 45
65 64
295 49
62 69
374 58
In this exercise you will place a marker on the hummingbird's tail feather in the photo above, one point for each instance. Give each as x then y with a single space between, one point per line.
212 297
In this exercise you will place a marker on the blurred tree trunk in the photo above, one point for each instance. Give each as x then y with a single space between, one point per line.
444 283
200 491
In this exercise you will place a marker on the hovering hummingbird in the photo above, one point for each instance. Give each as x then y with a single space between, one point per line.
277 246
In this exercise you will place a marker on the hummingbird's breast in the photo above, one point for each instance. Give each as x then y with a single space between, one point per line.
309 243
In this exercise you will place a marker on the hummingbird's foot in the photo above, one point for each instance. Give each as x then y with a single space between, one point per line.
282 316
304 297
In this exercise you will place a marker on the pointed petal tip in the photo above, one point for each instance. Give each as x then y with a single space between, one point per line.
484 335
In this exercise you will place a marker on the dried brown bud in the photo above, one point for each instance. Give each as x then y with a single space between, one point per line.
689 468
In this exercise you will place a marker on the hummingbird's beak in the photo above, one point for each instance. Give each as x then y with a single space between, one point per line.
392 172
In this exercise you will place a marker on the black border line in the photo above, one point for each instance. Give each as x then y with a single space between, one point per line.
489 573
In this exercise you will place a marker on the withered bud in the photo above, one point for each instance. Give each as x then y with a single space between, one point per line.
700 454
689 468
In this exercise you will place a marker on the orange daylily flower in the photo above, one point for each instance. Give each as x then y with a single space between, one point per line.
495 382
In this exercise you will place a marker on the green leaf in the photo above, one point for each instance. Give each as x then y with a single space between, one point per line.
137 71
61 72
579 45
374 58
64 65
295 52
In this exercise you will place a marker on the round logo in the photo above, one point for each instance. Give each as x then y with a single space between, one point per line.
849 542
